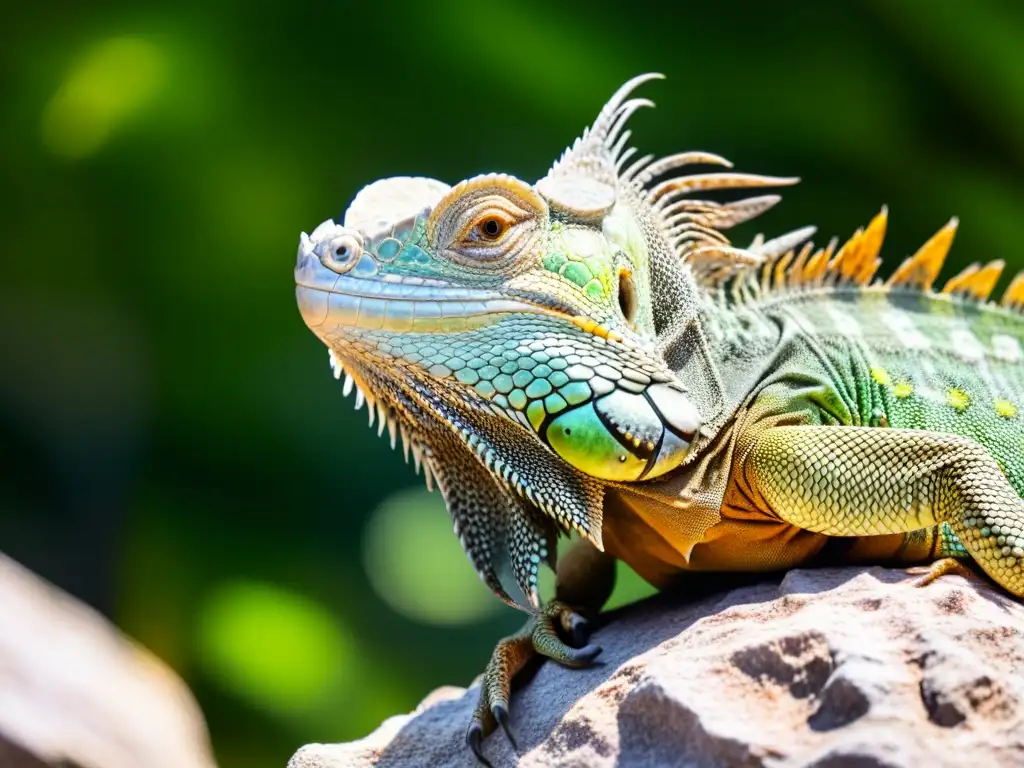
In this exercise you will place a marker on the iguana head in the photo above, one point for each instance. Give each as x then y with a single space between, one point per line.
521 322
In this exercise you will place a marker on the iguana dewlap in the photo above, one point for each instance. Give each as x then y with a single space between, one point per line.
589 353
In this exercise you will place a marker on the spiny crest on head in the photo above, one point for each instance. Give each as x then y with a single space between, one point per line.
857 262
591 175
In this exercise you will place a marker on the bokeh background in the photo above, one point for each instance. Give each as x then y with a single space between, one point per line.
173 447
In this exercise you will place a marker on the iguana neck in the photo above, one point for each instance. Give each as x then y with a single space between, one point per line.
720 351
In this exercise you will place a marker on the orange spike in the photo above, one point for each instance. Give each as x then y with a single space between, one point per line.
816 266
921 269
779 276
795 275
976 281
845 260
1013 297
860 251
868 270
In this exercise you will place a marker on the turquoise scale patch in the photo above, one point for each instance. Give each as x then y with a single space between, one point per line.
576 392
388 249
522 378
555 403
503 383
538 388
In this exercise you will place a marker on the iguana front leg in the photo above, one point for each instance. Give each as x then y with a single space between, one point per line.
584 581
862 481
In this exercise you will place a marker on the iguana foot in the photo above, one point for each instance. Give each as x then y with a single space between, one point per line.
541 635
943 566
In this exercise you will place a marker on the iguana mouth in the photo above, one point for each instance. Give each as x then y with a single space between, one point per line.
361 298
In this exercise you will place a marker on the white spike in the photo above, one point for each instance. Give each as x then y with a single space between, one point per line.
620 145
417 458
744 210
393 431
623 158
783 243
622 115
635 168
671 162
360 398
371 410
428 476
405 443
346 388
382 419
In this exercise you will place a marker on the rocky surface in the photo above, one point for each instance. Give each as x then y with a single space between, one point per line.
76 692
834 668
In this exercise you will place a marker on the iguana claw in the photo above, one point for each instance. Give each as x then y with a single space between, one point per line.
541 635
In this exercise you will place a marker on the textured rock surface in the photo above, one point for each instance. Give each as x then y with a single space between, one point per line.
829 668
75 692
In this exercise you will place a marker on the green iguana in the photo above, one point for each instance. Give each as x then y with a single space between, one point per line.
589 353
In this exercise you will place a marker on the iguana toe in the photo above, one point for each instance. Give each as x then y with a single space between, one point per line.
940 568
540 636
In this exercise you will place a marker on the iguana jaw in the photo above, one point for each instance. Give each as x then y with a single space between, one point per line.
342 304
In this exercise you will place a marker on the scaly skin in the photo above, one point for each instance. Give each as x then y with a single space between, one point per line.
589 353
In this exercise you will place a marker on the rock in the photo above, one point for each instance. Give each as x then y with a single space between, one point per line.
831 668
76 692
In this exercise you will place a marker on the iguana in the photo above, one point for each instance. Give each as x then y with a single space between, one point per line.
590 354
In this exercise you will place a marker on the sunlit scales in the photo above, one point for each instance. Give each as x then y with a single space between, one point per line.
958 398
880 375
1005 408
902 389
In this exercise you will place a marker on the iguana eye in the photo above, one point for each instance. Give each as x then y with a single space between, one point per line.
490 228
485 222
340 253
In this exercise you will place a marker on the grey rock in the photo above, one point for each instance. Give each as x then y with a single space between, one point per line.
76 692
830 668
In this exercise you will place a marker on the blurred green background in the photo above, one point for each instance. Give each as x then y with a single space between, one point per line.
174 448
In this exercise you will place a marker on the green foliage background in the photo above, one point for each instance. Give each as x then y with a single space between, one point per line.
174 449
